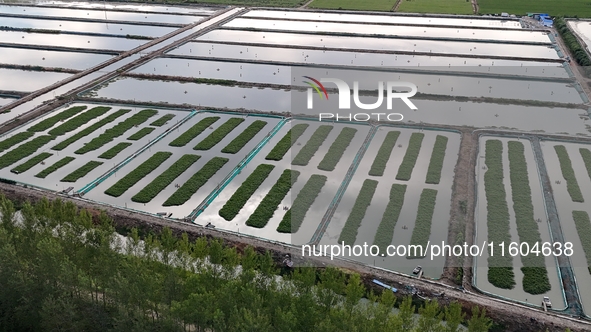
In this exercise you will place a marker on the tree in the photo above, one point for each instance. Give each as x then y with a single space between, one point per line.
479 322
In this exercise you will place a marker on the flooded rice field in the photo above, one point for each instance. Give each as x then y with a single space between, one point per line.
582 29
28 81
73 41
52 59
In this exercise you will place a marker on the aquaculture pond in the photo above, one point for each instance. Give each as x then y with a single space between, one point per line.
5 101
55 59
140 7
73 41
28 81
582 29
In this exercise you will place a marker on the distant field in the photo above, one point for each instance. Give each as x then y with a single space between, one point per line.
381 5
581 8
436 6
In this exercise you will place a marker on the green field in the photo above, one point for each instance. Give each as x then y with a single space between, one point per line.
382 5
555 8
437 6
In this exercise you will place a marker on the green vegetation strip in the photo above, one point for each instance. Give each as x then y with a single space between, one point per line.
137 174
572 186
578 51
586 155
410 157
422 230
196 181
50 122
24 150
112 152
379 163
287 142
82 171
308 151
436 163
31 162
458 7
349 232
385 231
264 212
78 121
87 131
163 180
218 134
381 5
141 133
293 219
583 225
15 139
245 191
241 140
163 120
58 164
337 149
194 131
500 268
535 275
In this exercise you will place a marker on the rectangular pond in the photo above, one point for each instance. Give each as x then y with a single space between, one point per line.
73 41
28 81
582 29
140 7
55 59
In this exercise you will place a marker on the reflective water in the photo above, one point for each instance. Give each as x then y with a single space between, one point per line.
22 80
135 7
583 29
57 59
76 41
5 101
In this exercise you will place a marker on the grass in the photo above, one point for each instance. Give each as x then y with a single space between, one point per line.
500 268
31 162
381 161
436 162
119 129
89 130
82 171
241 140
79 120
245 191
572 186
141 133
112 152
293 219
194 131
460 7
287 142
254 3
163 120
137 174
349 231
555 8
24 150
380 5
163 180
217 135
586 155
337 149
410 157
15 139
51 121
422 230
385 231
266 209
583 225
57 165
198 179
312 146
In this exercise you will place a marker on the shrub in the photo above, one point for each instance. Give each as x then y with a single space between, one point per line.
385 230
287 142
137 174
141 133
308 151
59 164
78 121
422 230
15 139
436 162
410 157
245 191
31 162
194 131
379 163
349 232
163 180
579 53
572 185
24 150
294 218
336 150
586 155
50 122
217 135
266 209
82 171
190 187
112 152
583 225
163 120
241 140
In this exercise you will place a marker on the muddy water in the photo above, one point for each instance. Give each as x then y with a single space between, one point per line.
70 60
582 29
75 41
22 80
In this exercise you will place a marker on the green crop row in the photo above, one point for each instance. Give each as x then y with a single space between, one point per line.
385 230
410 157
163 180
337 149
82 171
163 120
287 142
349 232
379 163
24 150
112 152
245 191
217 135
15 139
535 275
89 130
141 133
583 225
308 151
117 130
137 174
422 230
57 165
500 268
198 179
31 162
194 131
264 212
79 120
572 185
436 162
241 140
50 122
586 155
294 218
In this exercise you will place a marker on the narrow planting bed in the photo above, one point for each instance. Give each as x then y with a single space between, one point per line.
217 135
194 131
141 133
436 162
287 142
410 157
308 151
583 225
385 231
349 232
336 150
137 174
264 212
586 155
566 167
79 120
379 163
57 165
24 150
50 122
422 230
31 162
293 218
241 140
245 191
82 171
163 120
15 139
112 152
